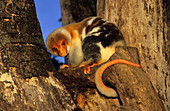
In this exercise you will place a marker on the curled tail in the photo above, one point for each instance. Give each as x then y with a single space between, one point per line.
109 92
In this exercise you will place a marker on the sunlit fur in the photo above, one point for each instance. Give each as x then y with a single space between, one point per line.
71 39
56 40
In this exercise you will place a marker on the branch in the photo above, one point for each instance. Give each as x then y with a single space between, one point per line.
132 84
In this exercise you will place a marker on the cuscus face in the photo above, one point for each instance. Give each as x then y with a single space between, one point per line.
57 45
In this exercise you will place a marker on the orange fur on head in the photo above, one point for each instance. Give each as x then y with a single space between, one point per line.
58 42
61 47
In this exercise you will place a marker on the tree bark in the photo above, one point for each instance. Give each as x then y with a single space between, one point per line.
77 10
132 84
145 25
26 72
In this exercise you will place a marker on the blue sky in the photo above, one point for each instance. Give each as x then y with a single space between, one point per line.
48 13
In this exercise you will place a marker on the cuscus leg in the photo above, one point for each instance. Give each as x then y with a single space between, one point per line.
87 67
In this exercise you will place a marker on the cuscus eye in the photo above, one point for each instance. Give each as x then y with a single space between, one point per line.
63 43
54 49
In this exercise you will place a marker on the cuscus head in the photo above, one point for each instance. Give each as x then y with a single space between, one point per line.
58 42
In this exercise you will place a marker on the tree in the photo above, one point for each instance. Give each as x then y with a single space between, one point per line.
26 81
29 81
145 25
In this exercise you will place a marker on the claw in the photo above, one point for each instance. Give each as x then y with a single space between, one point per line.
86 69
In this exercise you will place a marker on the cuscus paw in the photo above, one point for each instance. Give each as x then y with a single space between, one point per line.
86 69
64 66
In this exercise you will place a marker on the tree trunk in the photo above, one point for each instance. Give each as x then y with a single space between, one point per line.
132 84
145 25
76 10
26 72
